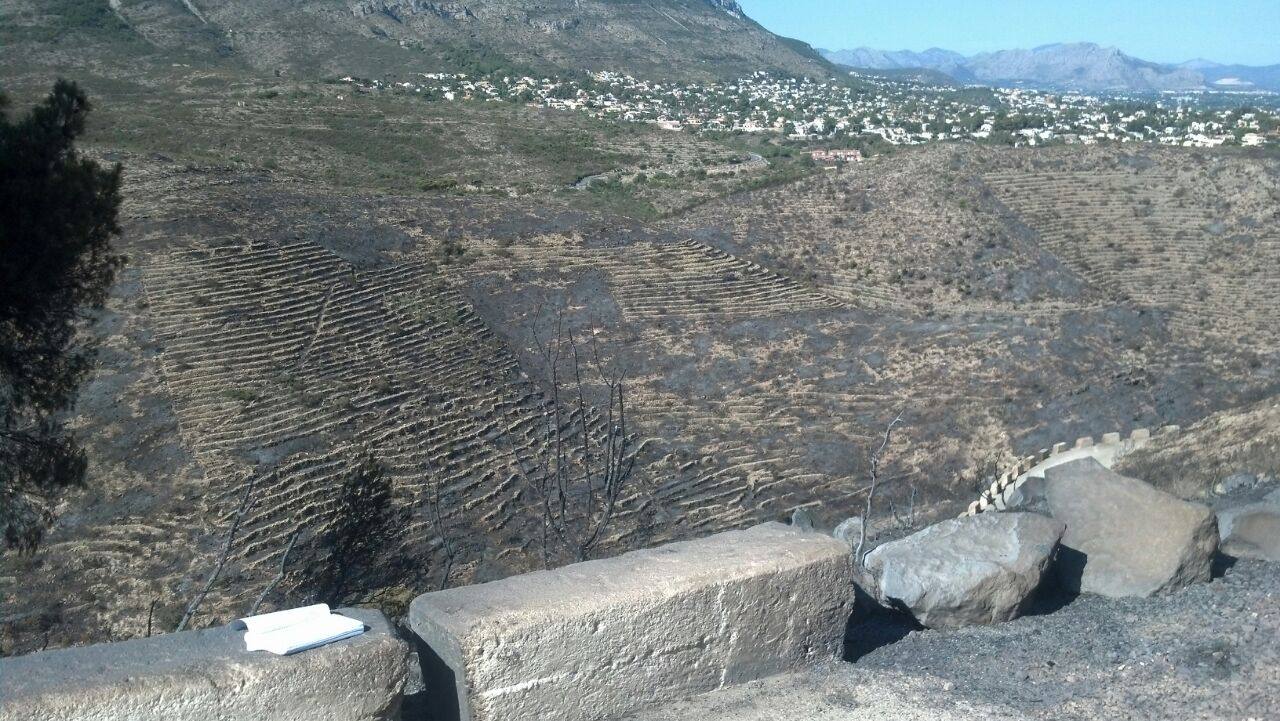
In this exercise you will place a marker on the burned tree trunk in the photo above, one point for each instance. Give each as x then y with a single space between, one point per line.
578 481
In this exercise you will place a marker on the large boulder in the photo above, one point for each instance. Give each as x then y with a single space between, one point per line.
1124 537
969 570
1251 531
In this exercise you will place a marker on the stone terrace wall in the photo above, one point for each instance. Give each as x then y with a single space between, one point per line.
208 676
601 639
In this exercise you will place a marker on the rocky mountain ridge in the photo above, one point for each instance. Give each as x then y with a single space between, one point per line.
661 39
1083 66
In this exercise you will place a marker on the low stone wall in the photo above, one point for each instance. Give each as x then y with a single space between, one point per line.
208 676
601 639
1107 449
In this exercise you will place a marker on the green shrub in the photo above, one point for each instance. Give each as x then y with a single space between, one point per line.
437 184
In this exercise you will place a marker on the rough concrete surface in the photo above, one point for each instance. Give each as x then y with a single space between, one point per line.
962 571
1210 652
1125 537
208 676
597 640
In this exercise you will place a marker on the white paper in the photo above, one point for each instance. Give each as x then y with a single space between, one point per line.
280 619
297 629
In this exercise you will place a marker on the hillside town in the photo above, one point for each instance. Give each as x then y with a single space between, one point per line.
870 110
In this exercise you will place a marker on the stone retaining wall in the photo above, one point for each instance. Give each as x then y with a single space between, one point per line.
601 639
208 676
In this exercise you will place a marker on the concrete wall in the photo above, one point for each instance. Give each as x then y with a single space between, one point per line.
208 676
598 640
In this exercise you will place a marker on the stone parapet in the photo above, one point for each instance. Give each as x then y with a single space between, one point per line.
602 639
207 675
1106 449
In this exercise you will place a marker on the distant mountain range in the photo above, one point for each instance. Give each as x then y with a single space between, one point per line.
1083 66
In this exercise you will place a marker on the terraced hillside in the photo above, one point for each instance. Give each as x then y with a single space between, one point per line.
1167 237
975 230
271 328
908 231
282 361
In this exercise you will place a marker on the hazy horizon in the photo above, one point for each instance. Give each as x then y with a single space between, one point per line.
1167 32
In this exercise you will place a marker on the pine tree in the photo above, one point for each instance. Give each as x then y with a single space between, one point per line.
57 219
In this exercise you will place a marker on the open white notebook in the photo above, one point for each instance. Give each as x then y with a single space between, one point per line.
297 629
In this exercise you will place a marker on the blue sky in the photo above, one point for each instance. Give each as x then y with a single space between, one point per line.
1228 31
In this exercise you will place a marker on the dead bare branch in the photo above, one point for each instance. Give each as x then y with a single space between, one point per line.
580 480
284 561
222 559
435 509
875 459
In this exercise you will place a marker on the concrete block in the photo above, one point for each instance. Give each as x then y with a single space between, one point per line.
208 676
602 639
1058 448
1110 438
1140 434
1084 442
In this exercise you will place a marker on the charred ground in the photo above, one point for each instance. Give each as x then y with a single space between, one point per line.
316 272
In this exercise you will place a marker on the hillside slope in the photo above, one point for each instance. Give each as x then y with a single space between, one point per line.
1232 442
667 39
769 334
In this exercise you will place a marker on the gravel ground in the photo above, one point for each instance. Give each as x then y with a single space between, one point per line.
1208 652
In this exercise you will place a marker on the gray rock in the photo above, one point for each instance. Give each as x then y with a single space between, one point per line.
1028 497
1235 482
969 570
1124 537
1273 497
849 531
802 519
1251 531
